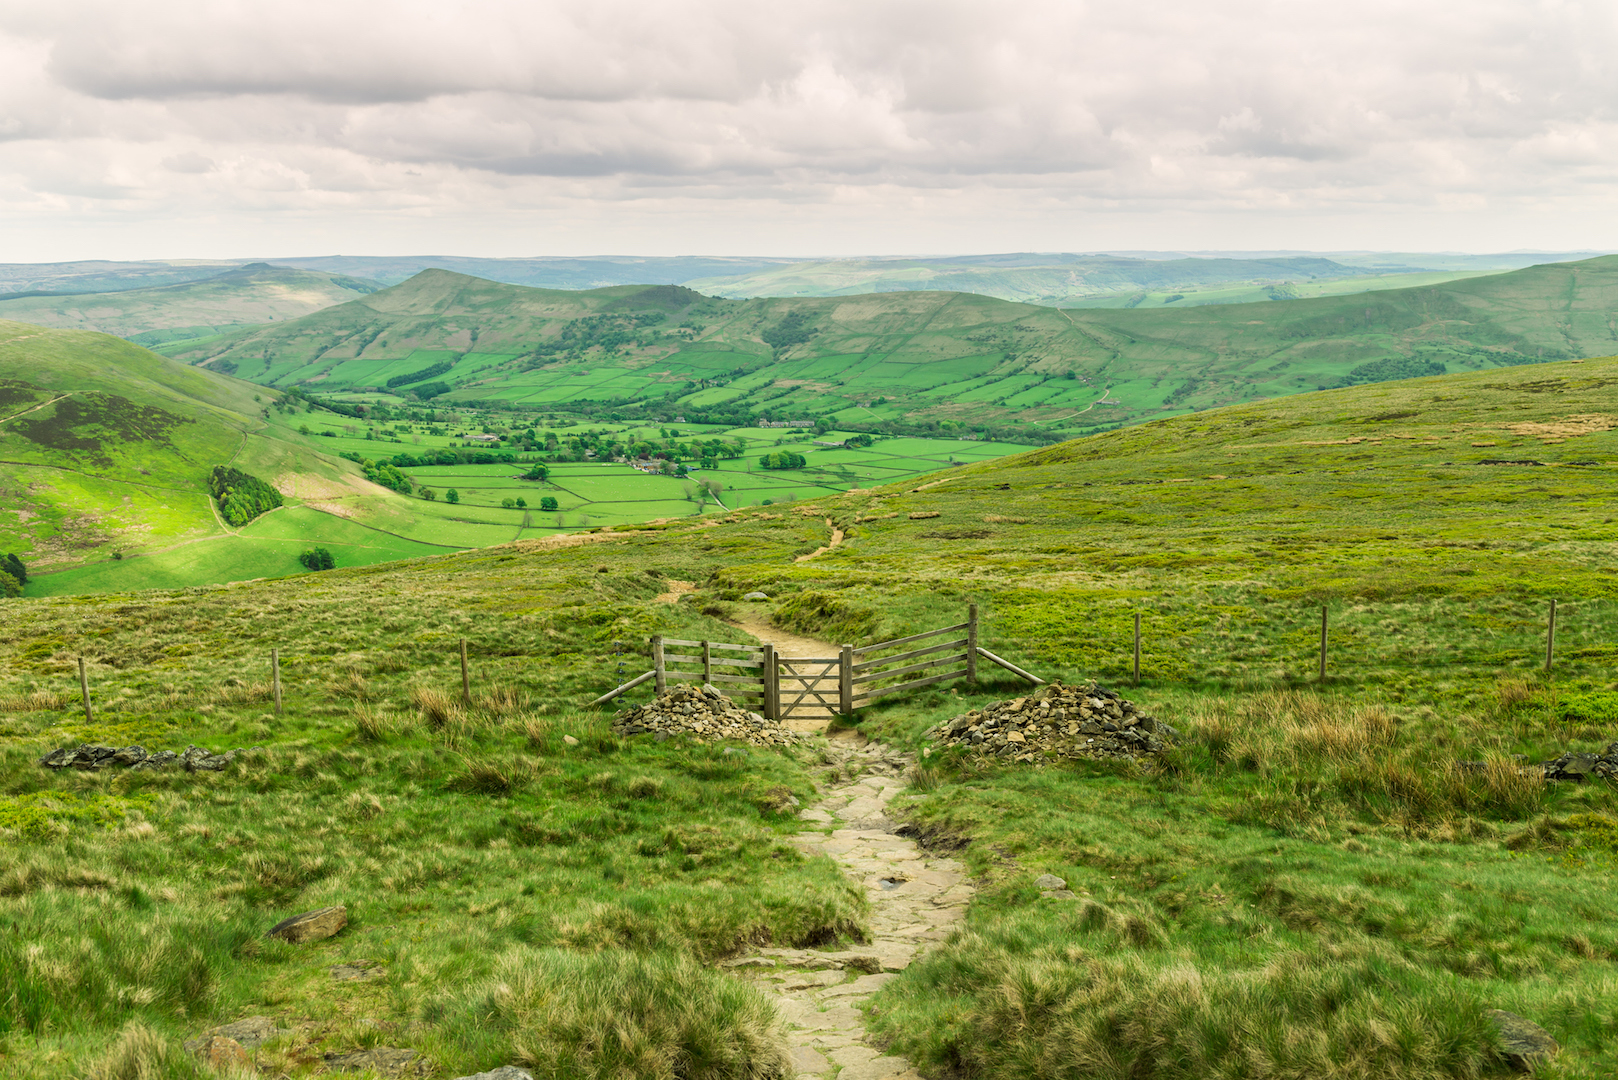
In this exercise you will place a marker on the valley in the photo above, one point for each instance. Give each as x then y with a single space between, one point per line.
1310 882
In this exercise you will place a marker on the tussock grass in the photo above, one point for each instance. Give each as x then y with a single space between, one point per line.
142 1053
1068 1004
615 1014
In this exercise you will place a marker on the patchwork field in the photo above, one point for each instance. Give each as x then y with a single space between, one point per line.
1313 883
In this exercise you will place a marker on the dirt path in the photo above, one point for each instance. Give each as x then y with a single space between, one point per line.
808 718
916 900
836 538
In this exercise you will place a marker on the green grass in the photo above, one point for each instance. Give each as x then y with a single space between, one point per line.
1308 885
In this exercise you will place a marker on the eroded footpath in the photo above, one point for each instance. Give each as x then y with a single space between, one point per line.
916 900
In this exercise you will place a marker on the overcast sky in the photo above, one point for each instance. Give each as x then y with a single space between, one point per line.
157 129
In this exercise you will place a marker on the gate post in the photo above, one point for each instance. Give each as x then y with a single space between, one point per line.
707 664
657 663
845 680
971 644
771 676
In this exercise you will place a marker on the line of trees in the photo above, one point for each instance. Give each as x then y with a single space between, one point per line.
783 459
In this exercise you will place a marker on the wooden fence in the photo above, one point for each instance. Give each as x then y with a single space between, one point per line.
787 686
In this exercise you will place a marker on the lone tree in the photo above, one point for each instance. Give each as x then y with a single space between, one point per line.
317 559
548 503
452 496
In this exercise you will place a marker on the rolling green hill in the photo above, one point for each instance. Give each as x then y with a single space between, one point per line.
105 450
256 293
1337 877
948 359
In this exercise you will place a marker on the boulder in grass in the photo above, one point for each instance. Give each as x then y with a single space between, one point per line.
504 1072
382 1060
250 1033
224 1055
755 596
311 925
1526 1044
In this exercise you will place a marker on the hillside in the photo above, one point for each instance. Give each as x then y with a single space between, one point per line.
1074 280
914 358
256 293
105 450
1337 878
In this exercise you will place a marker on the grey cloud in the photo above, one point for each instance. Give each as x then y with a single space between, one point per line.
499 105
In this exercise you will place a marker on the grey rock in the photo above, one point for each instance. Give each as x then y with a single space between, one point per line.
1050 881
570 740
251 1032
755 596
92 756
311 925
504 1072
388 1060
1525 1043
357 971
1059 894
704 715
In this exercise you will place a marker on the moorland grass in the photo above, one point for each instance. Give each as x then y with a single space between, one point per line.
1309 885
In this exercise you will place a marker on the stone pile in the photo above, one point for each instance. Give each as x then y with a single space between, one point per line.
703 713
91 756
1086 721
1584 766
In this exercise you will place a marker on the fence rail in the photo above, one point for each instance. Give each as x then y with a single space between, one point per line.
788 686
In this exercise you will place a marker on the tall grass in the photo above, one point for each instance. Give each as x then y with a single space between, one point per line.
613 1014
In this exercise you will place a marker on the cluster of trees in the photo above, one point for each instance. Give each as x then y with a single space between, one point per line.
783 459
428 391
241 497
317 559
383 472
13 576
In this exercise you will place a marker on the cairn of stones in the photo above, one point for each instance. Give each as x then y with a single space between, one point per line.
1086 721
704 714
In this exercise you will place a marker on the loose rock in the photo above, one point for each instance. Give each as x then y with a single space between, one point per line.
251 1032
311 925
705 714
386 1060
504 1072
1526 1043
221 1054
754 596
91 756
1086 721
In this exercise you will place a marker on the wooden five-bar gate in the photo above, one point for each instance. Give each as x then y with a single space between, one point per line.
785 687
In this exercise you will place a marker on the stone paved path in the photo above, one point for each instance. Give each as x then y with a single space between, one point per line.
916 900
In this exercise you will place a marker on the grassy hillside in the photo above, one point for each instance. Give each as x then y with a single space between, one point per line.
104 453
952 360
257 293
1310 886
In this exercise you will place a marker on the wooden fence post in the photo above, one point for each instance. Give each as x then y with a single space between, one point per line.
771 676
845 680
1550 638
1322 642
971 645
657 663
275 677
466 678
84 690
1137 648
707 664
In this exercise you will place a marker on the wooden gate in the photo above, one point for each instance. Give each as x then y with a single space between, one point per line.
784 687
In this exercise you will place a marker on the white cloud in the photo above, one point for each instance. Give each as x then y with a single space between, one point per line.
732 126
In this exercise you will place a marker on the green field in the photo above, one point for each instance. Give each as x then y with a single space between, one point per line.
1312 883
932 363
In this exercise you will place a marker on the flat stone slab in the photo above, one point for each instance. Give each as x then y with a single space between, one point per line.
390 1061
251 1032
1526 1043
504 1072
310 925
